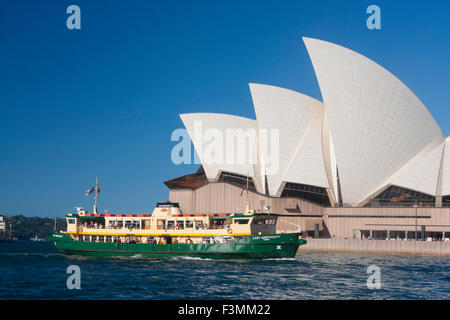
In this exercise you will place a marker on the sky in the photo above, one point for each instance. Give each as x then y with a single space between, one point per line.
104 100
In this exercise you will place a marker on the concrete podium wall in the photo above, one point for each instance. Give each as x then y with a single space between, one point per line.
440 248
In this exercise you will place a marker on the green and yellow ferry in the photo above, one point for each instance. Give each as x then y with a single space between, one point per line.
167 232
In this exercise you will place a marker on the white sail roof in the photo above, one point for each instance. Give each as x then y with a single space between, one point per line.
445 171
330 158
377 124
223 142
298 120
308 165
422 172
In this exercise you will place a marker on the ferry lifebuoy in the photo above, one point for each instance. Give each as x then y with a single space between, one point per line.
230 230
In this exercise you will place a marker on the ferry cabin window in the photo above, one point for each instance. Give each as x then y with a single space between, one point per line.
94 239
80 237
87 238
145 224
128 224
165 240
227 239
170 224
206 240
71 221
160 224
198 224
180 225
115 224
116 239
218 223
241 221
264 221
189 224
137 224
101 238
108 239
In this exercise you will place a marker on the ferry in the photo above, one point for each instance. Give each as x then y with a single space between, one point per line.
3 237
167 232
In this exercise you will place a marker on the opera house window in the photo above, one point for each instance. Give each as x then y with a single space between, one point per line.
237 180
306 192
398 196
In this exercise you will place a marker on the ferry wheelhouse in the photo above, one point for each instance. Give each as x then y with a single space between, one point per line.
169 232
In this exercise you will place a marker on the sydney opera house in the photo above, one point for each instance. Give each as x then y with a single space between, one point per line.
369 161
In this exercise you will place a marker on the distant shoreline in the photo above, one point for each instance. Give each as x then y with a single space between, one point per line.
24 228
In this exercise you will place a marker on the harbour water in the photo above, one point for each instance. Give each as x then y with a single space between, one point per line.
35 270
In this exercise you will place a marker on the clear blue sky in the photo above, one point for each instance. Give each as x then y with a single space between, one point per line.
104 100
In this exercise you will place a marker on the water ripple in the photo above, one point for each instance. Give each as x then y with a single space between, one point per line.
36 271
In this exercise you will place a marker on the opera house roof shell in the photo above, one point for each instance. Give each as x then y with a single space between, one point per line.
369 132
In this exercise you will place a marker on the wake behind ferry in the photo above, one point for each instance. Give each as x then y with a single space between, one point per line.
168 232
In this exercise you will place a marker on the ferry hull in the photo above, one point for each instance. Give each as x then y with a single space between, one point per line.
250 247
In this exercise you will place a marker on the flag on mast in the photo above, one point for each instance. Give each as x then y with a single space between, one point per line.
242 191
89 191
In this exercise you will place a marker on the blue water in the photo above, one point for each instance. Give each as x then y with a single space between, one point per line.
34 270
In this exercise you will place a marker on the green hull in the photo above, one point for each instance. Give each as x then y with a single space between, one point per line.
250 247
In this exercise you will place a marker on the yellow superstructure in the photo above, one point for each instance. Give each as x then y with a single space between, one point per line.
167 224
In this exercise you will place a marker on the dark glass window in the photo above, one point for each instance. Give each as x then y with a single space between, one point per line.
180 225
395 196
313 194
264 221
237 180
446 201
189 224
170 224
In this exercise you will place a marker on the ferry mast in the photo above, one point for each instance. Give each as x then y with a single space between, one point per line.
96 196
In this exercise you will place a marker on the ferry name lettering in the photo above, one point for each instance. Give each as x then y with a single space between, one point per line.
265 238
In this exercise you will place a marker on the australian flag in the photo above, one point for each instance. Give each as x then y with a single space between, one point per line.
89 191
